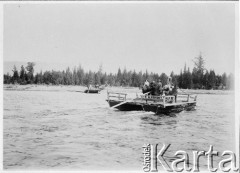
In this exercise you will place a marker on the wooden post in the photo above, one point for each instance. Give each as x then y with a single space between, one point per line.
188 98
108 96
119 104
164 101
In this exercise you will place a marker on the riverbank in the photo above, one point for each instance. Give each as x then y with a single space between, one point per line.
201 91
76 88
43 87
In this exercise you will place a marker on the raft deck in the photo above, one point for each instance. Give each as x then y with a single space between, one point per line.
162 101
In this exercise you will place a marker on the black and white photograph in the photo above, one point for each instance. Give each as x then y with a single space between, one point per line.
120 86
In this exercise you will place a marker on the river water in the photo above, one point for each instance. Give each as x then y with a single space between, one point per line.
74 130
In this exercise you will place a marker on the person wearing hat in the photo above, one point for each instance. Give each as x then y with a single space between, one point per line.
160 86
174 91
145 87
146 83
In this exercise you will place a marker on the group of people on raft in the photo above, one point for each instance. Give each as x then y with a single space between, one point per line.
157 88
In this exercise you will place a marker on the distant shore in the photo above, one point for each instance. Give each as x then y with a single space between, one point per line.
34 87
77 88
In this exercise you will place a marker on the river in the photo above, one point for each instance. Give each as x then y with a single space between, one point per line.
74 130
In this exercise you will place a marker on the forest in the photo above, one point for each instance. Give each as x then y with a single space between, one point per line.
197 78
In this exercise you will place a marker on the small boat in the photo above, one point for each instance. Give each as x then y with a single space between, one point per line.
164 104
92 91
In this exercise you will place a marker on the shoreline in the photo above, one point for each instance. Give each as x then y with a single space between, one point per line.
79 88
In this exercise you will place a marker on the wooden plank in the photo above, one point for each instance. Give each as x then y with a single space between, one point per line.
149 99
181 96
181 103
135 101
120 104
117 93
152 97
117 96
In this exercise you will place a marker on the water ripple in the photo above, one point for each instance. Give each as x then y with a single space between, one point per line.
61 130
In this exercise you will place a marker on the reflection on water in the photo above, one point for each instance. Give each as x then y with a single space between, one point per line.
159 119
73 130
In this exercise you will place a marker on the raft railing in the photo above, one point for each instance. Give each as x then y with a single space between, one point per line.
119 96
188 97
151 98
165 100
168 98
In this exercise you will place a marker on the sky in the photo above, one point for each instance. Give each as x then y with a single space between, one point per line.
158 37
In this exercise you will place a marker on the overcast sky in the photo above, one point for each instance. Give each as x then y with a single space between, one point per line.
154 36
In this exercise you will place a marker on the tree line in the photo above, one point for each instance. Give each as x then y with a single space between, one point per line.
198 78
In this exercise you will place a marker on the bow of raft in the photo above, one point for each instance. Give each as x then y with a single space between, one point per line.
92 91
163 104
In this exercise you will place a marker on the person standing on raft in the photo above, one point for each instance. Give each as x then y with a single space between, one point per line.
160 88
146 83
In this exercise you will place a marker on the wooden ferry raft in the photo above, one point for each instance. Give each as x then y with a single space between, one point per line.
95 90
158 104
